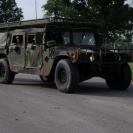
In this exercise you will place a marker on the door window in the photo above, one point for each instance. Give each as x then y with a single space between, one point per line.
17 50
17 40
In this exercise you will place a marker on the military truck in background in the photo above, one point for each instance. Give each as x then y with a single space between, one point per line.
60 50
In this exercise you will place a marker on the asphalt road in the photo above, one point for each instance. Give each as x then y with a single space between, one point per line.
29 106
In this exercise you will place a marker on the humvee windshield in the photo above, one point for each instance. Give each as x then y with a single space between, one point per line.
83 38
71 37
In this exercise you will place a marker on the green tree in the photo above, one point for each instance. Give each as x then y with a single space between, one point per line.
9 11
114 15
59 8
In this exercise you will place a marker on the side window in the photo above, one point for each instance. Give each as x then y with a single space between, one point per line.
39 38
50 35
17 39
31 38
35 38
59 38
63 38
66 38
31 41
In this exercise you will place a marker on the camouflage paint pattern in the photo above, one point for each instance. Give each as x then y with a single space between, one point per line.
40 59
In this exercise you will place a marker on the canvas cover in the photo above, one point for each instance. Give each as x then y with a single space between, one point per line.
3 39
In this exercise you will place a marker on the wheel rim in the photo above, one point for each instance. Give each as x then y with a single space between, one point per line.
62 76
2 71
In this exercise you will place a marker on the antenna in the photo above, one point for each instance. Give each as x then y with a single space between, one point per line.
36 8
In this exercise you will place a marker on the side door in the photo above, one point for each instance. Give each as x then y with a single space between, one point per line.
33 51
17 50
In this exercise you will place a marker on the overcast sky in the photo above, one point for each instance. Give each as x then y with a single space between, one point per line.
28 7
130 2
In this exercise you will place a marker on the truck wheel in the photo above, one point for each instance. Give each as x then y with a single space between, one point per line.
66 76
121 80
6 75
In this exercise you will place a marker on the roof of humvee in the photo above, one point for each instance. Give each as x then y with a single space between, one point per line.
41 23
23 24
27 30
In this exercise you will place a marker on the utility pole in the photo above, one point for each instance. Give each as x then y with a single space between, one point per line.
36 8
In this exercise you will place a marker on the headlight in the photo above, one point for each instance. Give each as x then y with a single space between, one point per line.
92 58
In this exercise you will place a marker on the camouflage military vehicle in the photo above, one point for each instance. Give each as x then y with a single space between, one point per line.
60 50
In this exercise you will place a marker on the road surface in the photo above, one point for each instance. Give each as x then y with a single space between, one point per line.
30 106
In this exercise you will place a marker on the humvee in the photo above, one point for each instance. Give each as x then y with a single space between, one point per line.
60 50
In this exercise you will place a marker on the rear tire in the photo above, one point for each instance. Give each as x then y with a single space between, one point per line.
121 80
66 76
6 75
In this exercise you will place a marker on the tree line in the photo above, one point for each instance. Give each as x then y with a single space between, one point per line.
9 11
115 16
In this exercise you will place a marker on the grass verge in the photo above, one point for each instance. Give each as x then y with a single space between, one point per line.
131 66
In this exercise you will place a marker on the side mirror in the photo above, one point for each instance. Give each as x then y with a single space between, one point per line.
51 43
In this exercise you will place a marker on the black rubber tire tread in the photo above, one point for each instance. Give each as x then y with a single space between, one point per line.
72 76
8 75
122 80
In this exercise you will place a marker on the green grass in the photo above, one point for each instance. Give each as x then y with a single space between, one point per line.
131 66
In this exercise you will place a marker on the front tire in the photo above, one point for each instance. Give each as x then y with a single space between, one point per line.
6 75
121 80
66 76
